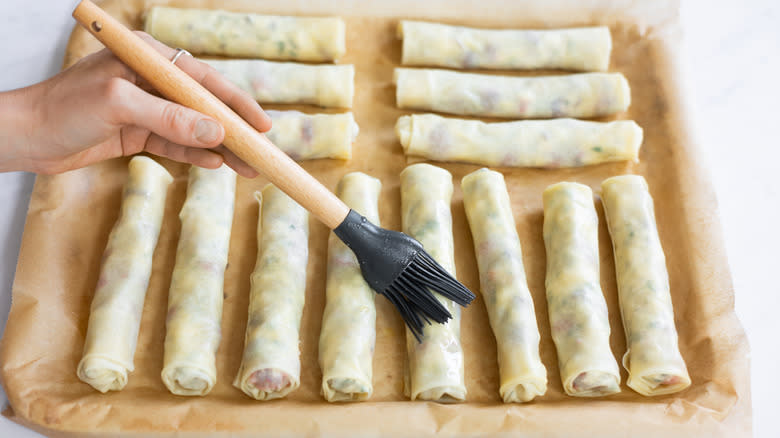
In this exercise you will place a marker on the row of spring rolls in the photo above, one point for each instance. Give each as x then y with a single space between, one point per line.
576 305
348 333
531 143
576 95
562 142
270 367
323 39
583 95
553 143
301 136
218 32
578 314
195 296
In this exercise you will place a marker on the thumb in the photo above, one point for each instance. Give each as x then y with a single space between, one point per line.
169 120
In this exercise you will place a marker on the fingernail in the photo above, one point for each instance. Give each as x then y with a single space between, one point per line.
207 131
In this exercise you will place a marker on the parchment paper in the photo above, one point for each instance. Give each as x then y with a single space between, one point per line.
70 217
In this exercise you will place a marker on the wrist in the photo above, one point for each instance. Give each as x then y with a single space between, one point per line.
17 128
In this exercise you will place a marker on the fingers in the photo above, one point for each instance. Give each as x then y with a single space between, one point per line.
179 124
208 158
236 163
224 90
177 127
200 157
234 97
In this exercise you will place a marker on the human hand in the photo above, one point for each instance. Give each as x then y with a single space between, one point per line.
99 109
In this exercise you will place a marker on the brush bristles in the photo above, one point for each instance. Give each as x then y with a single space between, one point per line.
411 293
433 275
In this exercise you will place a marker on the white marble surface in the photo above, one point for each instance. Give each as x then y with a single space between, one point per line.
732 64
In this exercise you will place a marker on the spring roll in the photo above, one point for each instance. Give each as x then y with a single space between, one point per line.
579 95
504 286
115 314
271 367
243 35
309 136
653 360
435 365
195 297
575 302
348 331
442 45
288 82
530 143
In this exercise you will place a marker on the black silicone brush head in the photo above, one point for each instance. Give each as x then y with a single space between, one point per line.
397 266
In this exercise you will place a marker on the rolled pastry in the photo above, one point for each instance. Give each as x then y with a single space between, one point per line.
115 314
309 136
576 305
435 367
288 82
530 143
271 367
217 32
195 297
504 286
579 95
348 330
442 45
653 360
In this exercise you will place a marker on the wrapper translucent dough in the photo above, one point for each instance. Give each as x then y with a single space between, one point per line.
348 332
309 136
435 365
192 327
115 314
653 360
575 302
288 82
443 45
504 287
529 143
579 95
271 366
217 32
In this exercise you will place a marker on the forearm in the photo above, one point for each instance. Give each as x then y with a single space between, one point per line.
17 108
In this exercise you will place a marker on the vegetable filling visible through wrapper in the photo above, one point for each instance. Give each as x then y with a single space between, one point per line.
582 95
578 312
270 366
115 314
348 332
529 143
193 322
653 360
435 365
443 45
504 286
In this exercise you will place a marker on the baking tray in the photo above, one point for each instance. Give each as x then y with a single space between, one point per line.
71 215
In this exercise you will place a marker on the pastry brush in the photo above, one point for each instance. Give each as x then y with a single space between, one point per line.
393 264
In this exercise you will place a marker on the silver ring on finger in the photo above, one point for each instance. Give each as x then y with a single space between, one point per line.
179 52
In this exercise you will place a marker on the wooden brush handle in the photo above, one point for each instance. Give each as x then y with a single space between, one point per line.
241 138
